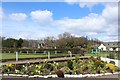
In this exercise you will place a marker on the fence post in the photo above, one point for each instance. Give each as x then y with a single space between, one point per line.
35 52
48 55
44 52
69 52
27 52
55 52
16 56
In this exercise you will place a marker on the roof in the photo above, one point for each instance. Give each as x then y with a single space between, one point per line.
112 44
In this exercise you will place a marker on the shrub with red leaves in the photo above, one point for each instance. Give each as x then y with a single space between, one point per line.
60 73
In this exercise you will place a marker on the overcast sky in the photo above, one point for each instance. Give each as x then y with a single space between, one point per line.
37 20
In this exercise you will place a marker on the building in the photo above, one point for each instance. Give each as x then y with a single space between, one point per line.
102 47
111 46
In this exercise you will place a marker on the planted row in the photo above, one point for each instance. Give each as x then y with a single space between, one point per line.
77 66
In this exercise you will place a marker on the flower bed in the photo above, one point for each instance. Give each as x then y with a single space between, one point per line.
71 68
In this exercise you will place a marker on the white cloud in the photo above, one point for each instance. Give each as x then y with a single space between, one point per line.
93 24
75 35
83 3
28 35
89 23
110 13
91 3
108 38
42 17
18 16
91 33
103 26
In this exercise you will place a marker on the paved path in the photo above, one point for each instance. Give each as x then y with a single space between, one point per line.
109 77
41 60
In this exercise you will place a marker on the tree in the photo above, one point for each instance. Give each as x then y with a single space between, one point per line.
64 35
19 43
25 43
49 42
9 43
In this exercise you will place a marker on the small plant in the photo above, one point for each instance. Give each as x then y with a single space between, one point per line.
77 66
70 64
111 67
76 58
99 57
112 62
60 73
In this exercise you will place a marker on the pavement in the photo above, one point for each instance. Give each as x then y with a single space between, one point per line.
41 60
109 77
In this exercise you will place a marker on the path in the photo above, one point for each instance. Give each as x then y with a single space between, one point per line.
41 60
109 77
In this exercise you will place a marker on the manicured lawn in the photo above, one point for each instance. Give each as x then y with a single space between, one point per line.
30 55
102 54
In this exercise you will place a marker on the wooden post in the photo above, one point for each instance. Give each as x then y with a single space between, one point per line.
16 56
55 52
27 52
48 55
44 52
69 52
35 52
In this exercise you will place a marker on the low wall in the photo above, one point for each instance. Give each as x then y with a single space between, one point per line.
117 62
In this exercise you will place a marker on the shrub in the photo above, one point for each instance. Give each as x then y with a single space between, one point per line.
48 66
76 58
118 55
99 57
99 63
112 62
111 56
70 64
60 73
111 67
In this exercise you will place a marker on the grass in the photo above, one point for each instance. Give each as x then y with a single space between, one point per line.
30 55
40 55
102 54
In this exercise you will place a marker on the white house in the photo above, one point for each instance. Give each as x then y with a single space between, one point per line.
102 47
111 46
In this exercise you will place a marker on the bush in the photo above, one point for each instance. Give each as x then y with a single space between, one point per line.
76 58
99 57
48 66
118 55
112 62
70 64
99 63
111 56
60 73
111 67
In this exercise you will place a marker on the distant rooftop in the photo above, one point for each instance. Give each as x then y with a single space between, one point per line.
112 44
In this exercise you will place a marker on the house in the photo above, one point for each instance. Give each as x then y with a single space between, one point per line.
102 47
111 46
